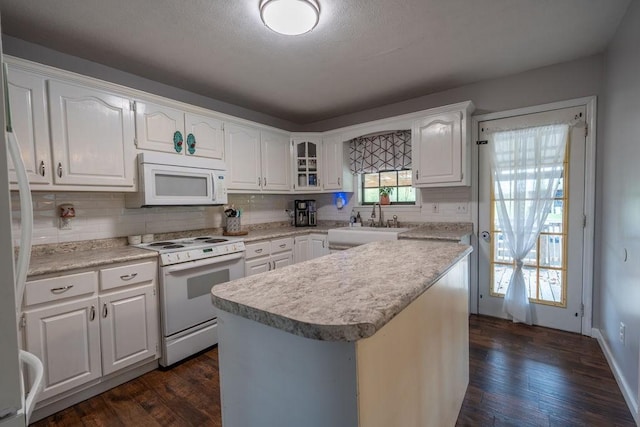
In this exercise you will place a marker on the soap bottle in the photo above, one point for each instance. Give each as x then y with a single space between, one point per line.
352 218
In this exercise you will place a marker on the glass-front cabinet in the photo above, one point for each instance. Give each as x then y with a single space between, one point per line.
306 152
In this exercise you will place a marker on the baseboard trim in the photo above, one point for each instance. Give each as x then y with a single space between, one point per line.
627 393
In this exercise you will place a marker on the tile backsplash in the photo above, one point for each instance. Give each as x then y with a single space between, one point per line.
104 215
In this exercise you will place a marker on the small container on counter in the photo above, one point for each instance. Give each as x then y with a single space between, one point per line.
147 238
134 240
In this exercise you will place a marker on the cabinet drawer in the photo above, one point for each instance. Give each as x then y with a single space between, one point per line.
127 275
255 250
57 288
281 245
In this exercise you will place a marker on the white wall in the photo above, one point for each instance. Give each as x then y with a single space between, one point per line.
618 195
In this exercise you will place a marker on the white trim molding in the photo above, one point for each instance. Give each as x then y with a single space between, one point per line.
590 103
628 394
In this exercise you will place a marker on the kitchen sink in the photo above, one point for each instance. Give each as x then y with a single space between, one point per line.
362 235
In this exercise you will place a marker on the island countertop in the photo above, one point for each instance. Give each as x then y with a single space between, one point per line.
344 296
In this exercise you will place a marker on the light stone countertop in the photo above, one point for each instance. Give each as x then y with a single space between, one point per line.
455 232
66 261
345 296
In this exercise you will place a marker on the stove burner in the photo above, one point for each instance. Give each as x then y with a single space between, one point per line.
215 240
173 246
203 238
160 243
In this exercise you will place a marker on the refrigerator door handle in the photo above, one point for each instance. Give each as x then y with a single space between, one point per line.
37 372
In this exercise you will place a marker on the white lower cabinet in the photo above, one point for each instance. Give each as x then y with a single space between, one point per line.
310 246
318 245
128 327
83 328
268 255
66 337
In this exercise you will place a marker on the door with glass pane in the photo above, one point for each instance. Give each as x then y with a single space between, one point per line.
553 268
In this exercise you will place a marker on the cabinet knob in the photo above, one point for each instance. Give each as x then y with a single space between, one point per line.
42 171
60 169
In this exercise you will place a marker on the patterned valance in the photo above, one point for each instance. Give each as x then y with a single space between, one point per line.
383 152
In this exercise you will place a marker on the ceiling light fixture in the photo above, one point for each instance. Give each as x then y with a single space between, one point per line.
290 17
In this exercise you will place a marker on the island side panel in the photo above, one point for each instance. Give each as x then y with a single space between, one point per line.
269 377
415 370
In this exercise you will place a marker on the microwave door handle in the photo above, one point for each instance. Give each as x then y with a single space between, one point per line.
214 185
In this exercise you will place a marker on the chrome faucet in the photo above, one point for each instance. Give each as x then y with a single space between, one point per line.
373 216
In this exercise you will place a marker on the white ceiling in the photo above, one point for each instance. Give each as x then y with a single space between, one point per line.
362 54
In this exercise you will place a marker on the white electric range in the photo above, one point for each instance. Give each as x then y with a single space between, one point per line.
188 269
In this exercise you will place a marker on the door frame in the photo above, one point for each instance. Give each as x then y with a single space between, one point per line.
590 103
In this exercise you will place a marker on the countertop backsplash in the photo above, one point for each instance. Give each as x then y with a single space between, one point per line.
103 216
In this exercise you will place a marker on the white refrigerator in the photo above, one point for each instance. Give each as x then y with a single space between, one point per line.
17 398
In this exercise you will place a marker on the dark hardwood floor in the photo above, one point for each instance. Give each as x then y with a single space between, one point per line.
519 376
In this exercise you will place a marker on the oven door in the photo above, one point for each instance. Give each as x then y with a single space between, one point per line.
185 290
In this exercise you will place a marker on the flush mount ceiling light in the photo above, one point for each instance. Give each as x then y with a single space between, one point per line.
290 17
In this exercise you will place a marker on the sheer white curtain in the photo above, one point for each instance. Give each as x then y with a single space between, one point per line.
527 165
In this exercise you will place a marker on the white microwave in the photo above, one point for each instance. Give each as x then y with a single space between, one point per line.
175 180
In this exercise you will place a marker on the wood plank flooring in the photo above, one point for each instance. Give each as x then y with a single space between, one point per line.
519 376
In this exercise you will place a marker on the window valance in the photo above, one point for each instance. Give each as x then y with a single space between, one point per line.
382 152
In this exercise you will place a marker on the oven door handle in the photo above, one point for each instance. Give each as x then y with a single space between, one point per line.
202 263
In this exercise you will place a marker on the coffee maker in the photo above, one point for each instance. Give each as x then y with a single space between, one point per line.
305 213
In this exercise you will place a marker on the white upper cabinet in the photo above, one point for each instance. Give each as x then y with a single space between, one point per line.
257 160
336 174
207 133
92 134
307 163
441 148
275 155
242 145
27 100
172 130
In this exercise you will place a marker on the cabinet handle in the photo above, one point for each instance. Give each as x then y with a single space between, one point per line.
105 311
417 174
42 172
258 180
269 266
92 313
284 245
61 289
265 181
339 181
274 264
59 169
258 250
128 276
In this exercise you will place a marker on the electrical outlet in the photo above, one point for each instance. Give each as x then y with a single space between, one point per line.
461 208
623 328
435 208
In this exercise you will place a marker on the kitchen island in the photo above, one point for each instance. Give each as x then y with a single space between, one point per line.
373 336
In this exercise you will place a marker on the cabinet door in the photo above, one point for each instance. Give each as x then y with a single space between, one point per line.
208 136
92 136
27 100
66 337
318 246
257 266
156 126
301 249
129 327
276 154
336 175
282 260
438 149
307 164
242 147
